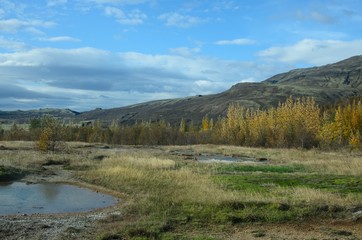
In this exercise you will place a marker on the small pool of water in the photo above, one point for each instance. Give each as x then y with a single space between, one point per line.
42 198
226 159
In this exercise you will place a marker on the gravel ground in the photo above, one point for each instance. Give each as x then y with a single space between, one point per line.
53 227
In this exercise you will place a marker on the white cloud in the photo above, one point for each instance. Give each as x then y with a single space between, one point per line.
207 87
184 51
14 25
178 20
315 52
114 12
10 7
60 39
80 57
225 5
135 17
12 45
248 80
80 77
239 41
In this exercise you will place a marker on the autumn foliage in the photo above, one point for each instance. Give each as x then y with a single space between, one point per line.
295 123
343 126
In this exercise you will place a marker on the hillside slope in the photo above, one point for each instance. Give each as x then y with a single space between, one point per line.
327 84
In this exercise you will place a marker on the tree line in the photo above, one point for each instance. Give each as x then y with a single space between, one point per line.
296 123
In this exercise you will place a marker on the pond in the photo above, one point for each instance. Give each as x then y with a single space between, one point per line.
46 198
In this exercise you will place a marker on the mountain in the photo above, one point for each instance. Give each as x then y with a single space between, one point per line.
327 84
24 116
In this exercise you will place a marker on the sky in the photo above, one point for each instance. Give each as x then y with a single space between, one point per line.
87 54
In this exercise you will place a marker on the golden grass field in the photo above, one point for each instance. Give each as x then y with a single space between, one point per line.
166 195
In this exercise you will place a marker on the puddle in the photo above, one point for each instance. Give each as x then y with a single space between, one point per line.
226 159
220 158
45 198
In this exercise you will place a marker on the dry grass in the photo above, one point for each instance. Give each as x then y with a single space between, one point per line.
161 189
163 178
18 144
138 160
318 197
163 182
22 154
334 162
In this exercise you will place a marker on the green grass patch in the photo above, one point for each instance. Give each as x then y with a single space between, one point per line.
263 182
233 168
167 197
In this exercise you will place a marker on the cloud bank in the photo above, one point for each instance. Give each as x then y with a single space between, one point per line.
86 78
314 52
101 78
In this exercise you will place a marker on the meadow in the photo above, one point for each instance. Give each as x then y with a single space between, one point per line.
168 196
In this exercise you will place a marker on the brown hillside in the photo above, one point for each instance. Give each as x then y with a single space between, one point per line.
327 84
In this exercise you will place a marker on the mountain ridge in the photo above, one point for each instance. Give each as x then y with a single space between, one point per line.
327 84
23 116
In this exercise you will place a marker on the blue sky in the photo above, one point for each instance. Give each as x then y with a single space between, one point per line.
84 54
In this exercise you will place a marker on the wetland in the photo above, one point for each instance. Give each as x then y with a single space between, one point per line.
168 192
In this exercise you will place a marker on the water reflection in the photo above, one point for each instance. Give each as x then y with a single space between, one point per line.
3 184
226 159
20 198
49 192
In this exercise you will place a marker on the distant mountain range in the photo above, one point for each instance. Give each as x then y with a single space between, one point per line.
328 84
20 116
